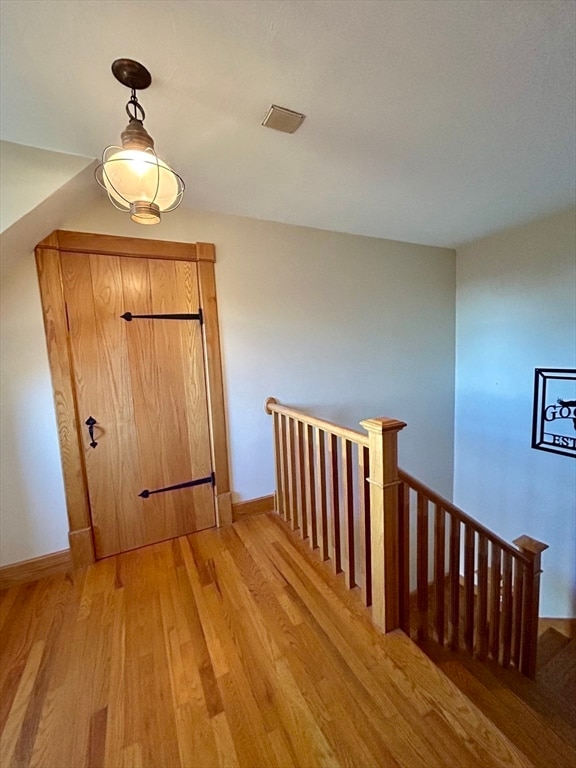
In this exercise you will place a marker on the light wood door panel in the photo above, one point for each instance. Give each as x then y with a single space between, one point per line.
143 381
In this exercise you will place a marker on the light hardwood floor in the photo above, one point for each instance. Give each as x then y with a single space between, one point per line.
231 648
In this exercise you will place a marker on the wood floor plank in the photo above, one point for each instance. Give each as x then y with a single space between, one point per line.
196 737
226 753
306 737
246 728
191 593
115 711
27 622
8 598
44 750
97 738
63 611
202 658
366 741
87 639
45 745
131 756
282 749
15 719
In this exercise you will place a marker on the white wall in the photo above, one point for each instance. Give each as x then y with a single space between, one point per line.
343 326
30 175
516 311
32 518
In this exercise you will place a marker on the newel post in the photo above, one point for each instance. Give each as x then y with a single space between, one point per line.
384 520
532 549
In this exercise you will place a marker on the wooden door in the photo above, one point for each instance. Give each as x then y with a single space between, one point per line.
142 381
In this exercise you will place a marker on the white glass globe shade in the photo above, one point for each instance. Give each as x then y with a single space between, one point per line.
131 175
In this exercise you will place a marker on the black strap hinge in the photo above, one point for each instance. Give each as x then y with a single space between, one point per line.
189 484
128 316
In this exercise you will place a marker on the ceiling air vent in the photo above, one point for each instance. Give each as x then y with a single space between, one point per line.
282 119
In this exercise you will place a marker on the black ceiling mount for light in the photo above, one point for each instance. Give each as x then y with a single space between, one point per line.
133 175
131 73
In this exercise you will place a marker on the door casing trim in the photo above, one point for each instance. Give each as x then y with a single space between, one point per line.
49 268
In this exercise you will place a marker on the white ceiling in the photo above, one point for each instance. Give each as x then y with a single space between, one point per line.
434 121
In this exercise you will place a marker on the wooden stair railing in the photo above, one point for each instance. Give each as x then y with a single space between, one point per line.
473 590
403 544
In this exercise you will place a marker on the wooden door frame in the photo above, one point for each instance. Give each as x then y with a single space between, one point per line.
70 435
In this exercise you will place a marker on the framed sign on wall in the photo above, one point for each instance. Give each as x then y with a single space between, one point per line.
554 418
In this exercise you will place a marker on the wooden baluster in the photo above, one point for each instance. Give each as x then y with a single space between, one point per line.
285 475
292 478
302 494
482 597
532 549
335 498
404 555
469 588
278 464
322 496
364 508
439 571
506 609
348 509
311 485
383 445
517 598
495 597
422 566
454 583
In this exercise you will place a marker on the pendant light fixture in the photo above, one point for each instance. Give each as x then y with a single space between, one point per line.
133 175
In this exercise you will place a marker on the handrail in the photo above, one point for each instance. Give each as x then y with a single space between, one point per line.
435 498
273 406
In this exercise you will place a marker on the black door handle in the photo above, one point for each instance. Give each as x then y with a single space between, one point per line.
90 422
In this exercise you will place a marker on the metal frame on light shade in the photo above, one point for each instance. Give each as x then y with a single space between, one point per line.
136 140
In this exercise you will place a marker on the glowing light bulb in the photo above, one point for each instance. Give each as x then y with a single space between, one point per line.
131 176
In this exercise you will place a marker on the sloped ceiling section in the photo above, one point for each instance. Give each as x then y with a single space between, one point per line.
428 121
30 176
17 242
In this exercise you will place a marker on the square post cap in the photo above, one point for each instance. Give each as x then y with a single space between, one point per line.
382 424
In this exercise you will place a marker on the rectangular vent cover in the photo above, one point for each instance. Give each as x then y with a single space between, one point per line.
282 119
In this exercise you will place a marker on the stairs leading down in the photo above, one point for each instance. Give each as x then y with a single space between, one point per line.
538 716
556 671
